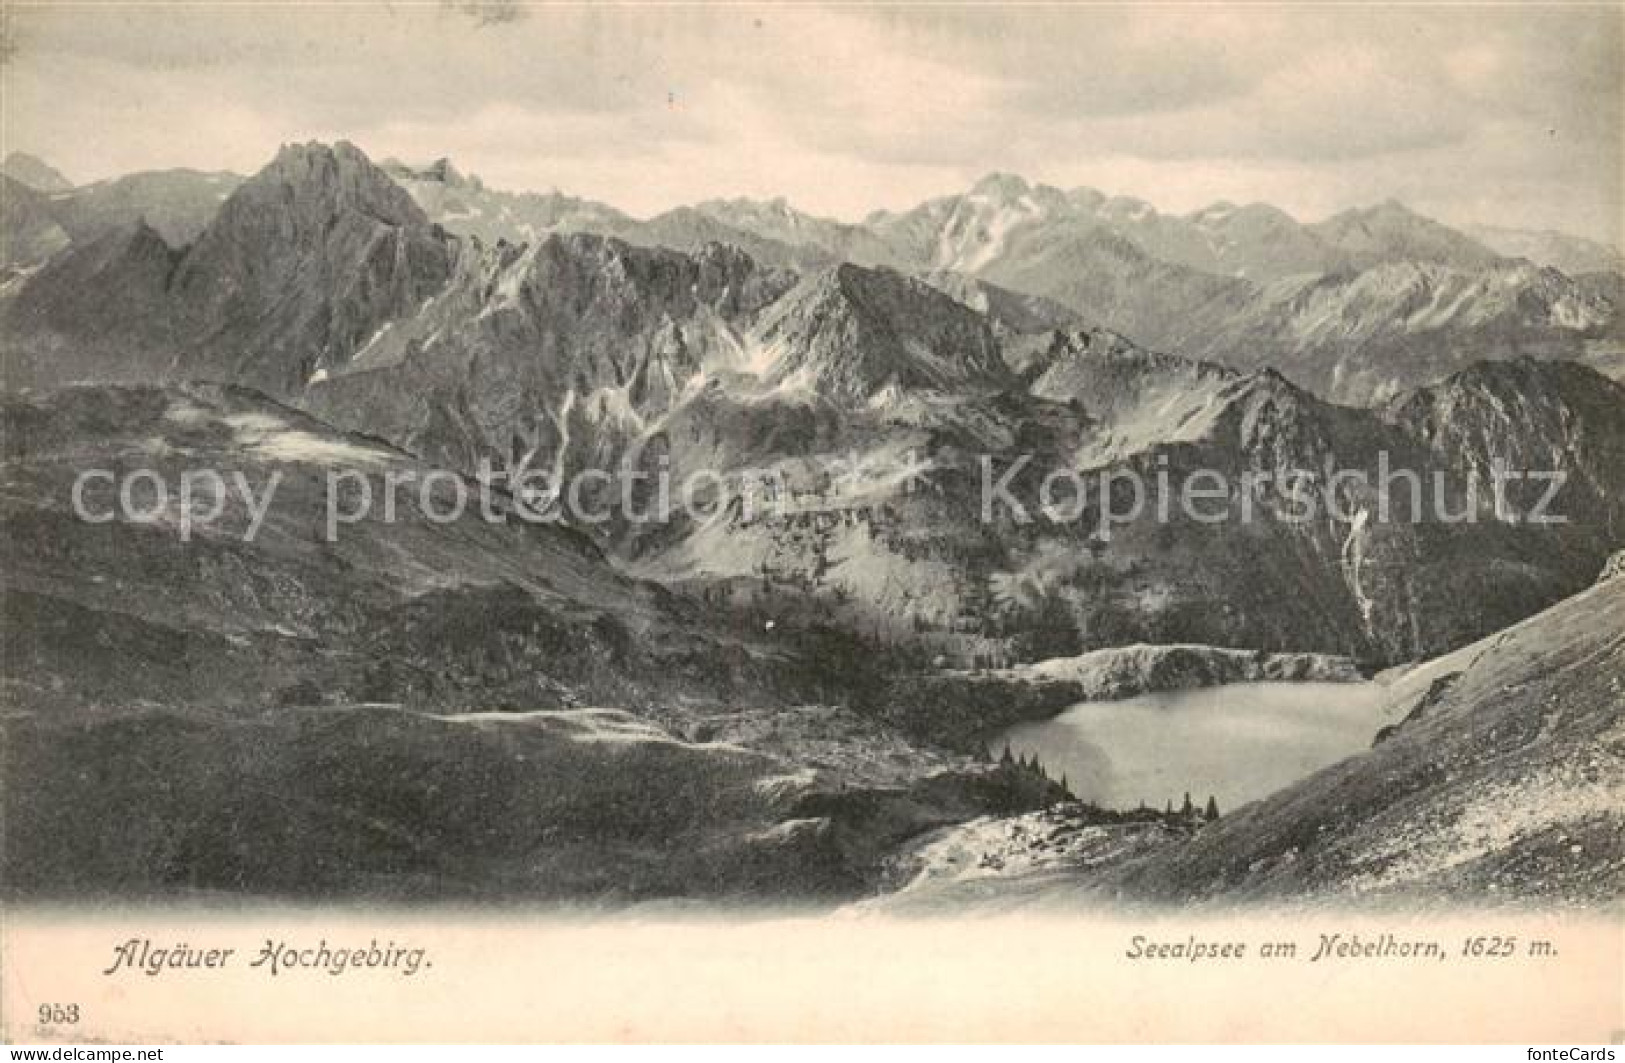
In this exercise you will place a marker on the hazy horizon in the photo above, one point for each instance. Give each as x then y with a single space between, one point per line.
1494 116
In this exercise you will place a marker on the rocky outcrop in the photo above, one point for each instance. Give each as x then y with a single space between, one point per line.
1615 567
306 261
1523 415
303 264
848 333
558 353
177 204
29 233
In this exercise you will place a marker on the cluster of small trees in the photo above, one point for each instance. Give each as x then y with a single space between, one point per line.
1033 766
1026 765
1028 784
1187 810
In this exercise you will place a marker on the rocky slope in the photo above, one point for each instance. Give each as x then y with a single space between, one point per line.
1364 337
1358 307
302 265
1507 779
555 356
1355 337
462 204
861 401
782 223
33 172
849 333
1503 784
399 709
178 204
1391 232
29 233
1573 255
1523 414
98 311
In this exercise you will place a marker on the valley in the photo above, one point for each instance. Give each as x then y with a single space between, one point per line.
784 690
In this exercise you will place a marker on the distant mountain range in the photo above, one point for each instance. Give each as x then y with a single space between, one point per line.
323 282
1357 307
329 313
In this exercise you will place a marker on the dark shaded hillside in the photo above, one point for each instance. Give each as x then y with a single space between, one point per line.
1524 414
29 234
473 612
1506 778
303 263
178 204
401 710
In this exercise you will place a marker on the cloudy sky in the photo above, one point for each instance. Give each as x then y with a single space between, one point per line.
1506 115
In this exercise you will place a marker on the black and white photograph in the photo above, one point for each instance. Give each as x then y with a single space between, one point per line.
986 492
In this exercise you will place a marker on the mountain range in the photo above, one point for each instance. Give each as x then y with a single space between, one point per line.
1357 307
323 283
329 312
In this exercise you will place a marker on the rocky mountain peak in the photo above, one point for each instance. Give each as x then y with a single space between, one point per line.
1391 208
316 179
305 262
1002 186
441 171
1127 208
34 172
849 332
29 233
1529 414
1087 200
1392 232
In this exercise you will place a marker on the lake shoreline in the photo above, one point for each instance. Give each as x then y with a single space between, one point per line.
1237 742
962 710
